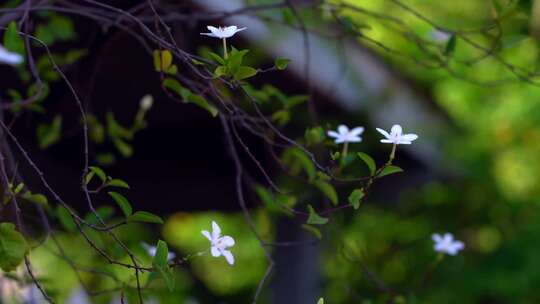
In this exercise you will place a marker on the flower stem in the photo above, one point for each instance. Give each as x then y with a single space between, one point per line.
225 55
392 154
344 153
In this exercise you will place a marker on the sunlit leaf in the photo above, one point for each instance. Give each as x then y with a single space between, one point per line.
13 247
143 216
390 170
122 202
328 190
314 218
368 161
355 197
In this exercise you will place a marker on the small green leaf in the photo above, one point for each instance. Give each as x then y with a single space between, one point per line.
321 301
167 276
390 170
355 197
12 40
65 219
244 72
35 198
220 71
216 58
162 60
122 202
115 182
123 147
143 216
203 103
328 190
162 254
313 230
450 45
281 63
368 161
314 218
314 136
49 134
99 172
13 247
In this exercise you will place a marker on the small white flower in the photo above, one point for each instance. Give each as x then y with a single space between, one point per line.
146 102
152 251
396 136
10 58
439 36
344 135
219 244
447 244
223 32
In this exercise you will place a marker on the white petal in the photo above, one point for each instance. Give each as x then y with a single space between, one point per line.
207 235
209 34
403 142
227 241
357 131
171 256
340 140
343 129
383 132
387 141
436 237
396 130
216 231
228 256
333 134
409 137
448 238
215 251
354 139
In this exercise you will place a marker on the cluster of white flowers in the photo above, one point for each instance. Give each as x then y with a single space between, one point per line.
396 136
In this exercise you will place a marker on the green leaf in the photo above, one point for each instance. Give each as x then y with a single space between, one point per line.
314 136
244 72
65 219
297 160
203 103
368 161
314 218
328 190
49 134
390 170
123 147
162 254
281 63
162 60
450 45
123 202
216 58
12 40
313 230
220 71
321 301
13 247
99 172
35 198
235 59
167 276
143 216
115 182
355 197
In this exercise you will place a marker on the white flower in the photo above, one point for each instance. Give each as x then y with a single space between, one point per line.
223 32
152 251
439 36
344 135
396 136
447 244
219 244
10 58
146 102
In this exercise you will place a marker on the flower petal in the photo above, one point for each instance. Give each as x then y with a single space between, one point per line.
436 237
215 251
383 132
357 131
343 129
409 137
227 241
228 256
216 231
396 130
387 141
333 134
207 235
